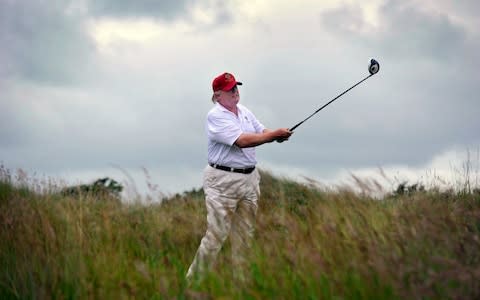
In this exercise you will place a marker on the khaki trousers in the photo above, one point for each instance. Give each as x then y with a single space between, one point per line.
231 200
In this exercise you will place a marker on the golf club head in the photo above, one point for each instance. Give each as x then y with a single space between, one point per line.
373 67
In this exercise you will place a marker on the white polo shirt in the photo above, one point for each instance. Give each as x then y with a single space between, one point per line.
223 129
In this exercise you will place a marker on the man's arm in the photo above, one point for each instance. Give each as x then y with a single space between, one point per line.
246 140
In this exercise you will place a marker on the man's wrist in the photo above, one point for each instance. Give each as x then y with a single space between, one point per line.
270 137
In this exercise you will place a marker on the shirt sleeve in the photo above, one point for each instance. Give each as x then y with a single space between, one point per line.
259 127
222 129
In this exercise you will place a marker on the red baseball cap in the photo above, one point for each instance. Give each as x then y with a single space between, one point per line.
224 82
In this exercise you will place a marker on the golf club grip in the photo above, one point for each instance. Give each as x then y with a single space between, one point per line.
293 128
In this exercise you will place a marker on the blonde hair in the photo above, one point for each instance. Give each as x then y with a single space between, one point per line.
215 96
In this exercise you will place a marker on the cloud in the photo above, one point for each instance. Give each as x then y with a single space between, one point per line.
432 36
421 84
165 9
403 29
52 44
43 42
204 15
85 129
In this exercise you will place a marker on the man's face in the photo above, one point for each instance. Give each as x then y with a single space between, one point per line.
231 97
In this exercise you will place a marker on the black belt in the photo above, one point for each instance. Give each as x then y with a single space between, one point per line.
235 170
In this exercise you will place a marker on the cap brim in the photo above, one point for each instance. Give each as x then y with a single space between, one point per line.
231 85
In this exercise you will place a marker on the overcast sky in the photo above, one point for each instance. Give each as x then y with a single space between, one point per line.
109 88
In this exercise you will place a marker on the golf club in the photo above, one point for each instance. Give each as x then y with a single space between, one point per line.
372 69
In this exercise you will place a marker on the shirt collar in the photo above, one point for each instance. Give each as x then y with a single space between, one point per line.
222 108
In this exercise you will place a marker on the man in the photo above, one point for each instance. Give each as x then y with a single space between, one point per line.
231 181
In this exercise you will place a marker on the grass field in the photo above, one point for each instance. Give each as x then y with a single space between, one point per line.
309 244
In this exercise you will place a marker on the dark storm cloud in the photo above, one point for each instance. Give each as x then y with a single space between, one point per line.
403 30
432 36
41 42
49 43
165 9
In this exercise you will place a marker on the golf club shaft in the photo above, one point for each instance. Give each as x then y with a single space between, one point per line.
294 127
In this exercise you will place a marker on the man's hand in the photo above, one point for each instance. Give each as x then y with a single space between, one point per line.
282 134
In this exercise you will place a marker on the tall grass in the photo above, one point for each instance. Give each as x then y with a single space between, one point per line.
309 244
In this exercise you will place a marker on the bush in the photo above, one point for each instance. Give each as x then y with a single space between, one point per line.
103 188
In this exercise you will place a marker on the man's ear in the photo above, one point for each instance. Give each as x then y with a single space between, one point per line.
215 97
